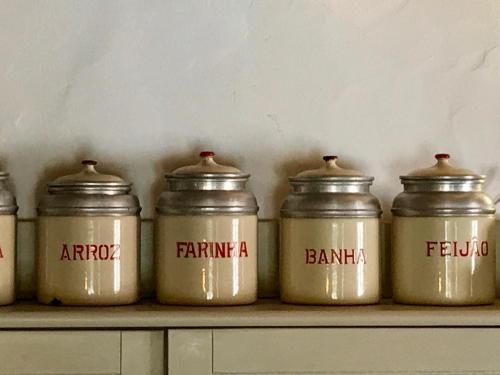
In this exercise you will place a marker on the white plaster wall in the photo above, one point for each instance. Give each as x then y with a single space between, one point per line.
269 85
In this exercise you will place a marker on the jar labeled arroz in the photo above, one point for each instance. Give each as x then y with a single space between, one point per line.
443 246
8 224
206 236
88 240
330 247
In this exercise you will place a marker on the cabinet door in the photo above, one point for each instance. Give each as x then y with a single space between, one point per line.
59 352
142 353
334 351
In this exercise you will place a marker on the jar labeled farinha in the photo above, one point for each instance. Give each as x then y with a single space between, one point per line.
206 236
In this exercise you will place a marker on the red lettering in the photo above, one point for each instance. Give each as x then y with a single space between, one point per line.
180 248
1 252
443 246
78 250
115 253
349 256
310 256
336 256
243 249
103 255
484 248
64 253
230 248
430 247
202 246
322 257
190 250
220 249
362 256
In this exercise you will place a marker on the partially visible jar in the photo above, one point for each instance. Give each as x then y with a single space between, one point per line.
443 247
330 247
206 236
88 238
8 223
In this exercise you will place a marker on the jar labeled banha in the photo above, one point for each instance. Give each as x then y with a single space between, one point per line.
206 236
8 209
443 238
330 251
88 235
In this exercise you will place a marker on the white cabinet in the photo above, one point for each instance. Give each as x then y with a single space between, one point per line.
81 352
334 351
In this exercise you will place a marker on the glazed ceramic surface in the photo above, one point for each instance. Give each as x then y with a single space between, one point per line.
330 261
88 260
7 258
206 259
444 260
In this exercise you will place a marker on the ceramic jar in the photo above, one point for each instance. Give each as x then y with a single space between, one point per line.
206 236
443 238
8 209
88 233
330 251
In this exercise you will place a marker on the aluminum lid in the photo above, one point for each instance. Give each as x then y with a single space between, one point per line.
207 188
90 181
331 192
443 190
207 174
330 178
442 176
8 205
89 192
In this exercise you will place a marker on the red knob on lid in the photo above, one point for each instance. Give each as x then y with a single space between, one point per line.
442 156
89 162
206 154
329 157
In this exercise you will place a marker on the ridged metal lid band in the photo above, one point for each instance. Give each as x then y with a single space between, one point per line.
443 212
327 214
180 211
88 211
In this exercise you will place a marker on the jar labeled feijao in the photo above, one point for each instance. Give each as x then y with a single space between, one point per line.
8 223
88 238
206 236
443 238
330 250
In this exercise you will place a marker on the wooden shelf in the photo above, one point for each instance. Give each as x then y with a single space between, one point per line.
266 313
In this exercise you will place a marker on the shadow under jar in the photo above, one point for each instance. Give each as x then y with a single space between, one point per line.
206 237
88 238
8 223
330 248
443 246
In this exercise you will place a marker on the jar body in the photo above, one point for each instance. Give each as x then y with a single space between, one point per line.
330 261
88 260
444 260
206 259
7 259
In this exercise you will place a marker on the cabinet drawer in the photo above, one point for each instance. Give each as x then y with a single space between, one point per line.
339 350
60 352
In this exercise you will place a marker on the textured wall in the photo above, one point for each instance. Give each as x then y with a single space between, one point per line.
270 85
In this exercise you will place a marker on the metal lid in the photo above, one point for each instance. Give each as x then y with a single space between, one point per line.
206 175
331 191
443 190
207 188
8 205
89 192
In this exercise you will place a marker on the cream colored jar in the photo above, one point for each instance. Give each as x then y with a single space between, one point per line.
330 248
206 237
443 238
88 237
8 221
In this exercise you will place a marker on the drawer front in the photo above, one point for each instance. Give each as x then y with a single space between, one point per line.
60 352
366 350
